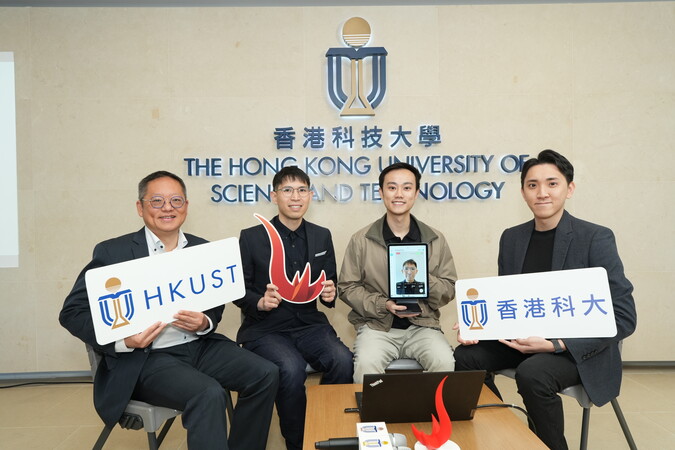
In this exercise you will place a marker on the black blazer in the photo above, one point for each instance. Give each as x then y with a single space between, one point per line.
117 373
255 257
579 244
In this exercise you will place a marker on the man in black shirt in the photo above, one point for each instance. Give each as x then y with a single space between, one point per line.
554 240
292 334
386 330
409 285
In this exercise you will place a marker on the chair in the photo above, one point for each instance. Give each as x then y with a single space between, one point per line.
579 394
404 365
310 370
139 414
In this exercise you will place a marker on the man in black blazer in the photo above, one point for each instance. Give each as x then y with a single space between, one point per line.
291 334
554 240
184 365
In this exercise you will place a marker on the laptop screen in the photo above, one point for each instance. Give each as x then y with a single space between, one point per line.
410 397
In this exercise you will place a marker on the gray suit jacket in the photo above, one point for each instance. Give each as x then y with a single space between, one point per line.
579 244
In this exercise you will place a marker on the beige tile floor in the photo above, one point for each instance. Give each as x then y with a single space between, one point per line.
62 417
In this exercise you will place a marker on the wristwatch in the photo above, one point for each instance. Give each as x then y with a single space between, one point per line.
556 346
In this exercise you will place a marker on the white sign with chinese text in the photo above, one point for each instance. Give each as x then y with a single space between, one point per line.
558 304
128 297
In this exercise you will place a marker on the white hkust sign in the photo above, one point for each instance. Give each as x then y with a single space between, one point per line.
557 304
128 297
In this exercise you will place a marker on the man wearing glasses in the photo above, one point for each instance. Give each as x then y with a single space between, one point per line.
291 335
183 365
409 285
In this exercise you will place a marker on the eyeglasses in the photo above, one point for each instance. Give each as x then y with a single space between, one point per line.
288 191
158 202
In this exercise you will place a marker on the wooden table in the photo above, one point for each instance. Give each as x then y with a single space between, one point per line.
491 428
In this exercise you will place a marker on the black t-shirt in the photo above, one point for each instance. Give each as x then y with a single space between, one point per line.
539 254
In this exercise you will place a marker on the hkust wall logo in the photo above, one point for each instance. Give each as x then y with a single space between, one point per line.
355 141
356 34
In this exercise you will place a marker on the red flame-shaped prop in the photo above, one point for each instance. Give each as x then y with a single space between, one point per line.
440 433
300 290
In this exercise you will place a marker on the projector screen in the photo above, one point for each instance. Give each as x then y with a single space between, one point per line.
9 220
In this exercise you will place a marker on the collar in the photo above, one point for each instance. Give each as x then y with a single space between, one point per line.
155 244
284 231
374 231
413 234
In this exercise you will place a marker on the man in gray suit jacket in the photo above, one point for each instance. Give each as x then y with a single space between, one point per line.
184 365
554 240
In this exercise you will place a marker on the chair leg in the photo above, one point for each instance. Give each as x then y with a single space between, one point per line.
229 406
165 429
585 420
624 424
152 441
102 438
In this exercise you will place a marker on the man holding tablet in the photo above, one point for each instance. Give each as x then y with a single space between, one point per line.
386 328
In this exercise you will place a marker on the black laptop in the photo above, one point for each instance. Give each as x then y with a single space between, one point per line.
410 397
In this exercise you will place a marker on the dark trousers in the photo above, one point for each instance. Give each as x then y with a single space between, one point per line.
291 350
539 378
191 377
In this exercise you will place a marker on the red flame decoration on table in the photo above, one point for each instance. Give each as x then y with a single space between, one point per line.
440 432
300 290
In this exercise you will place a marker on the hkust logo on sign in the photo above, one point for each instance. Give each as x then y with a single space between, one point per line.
474 311
356 34
121 314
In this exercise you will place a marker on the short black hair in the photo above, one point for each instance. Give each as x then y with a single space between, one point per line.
290 172
397 166
549 157
143 184
411 262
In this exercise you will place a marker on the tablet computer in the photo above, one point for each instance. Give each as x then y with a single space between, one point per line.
408 273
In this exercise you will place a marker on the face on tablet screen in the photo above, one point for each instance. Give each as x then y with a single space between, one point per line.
409 271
